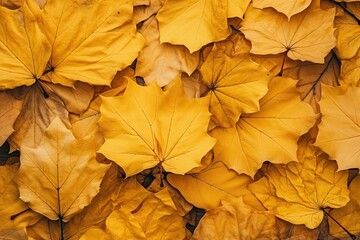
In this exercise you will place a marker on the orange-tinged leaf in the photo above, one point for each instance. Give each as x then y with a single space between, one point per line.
210 186
193 23
349 215
60 176
302 37
99 48
143 12
22 63
234 85
268 135
76 99
38 110
311 76
289 8
147 126
339 129
298 192
15 214
9 111
162 63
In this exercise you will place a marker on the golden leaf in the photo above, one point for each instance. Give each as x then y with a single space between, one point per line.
162 63
348 216
302 37
9 111
234 85
15 214
289 8
339 131
268 135
60 176
159 208
193 23
299 191
210 186
98 49
147 126
21 64
237 8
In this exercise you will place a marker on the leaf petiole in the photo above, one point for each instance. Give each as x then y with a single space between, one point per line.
349 233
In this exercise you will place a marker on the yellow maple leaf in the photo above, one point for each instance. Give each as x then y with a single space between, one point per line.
22 64
234 85
60 176
210 186
299 191
147 126
302 37
268 135
98 49
349 215
339 132
289 8
237 8
193 23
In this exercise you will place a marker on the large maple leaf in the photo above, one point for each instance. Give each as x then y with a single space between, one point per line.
299 191
339 130
147 126
60 176
302 37
268 135
98 49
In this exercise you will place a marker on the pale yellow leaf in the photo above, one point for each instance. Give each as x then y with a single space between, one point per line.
60 176
302 37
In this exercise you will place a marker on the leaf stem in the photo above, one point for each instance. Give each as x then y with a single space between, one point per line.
16 215
349 233
161 176
282 65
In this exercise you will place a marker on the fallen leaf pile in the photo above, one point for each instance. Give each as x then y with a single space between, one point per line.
179 119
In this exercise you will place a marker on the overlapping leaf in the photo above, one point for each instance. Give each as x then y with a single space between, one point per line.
234 84
298 192
162 63
48 172
22 64
302 37
339 108
146 127
193 23
210 186
289 8
268 135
